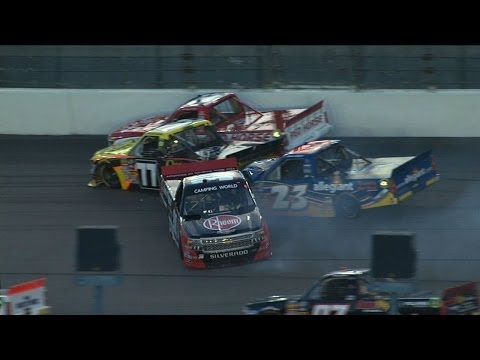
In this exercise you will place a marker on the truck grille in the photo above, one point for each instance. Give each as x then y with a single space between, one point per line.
228 243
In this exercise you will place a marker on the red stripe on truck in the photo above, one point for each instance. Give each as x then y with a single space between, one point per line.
26 286
193 168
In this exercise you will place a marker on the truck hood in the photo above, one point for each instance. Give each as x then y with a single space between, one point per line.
236 147
223 225
116 150
269 302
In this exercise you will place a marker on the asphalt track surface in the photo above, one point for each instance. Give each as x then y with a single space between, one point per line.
44 198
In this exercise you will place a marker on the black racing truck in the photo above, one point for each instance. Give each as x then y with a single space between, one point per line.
354 292
213 217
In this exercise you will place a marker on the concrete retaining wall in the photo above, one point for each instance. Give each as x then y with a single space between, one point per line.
381 113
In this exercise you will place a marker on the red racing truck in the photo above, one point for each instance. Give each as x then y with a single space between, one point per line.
213 217
236 120
28 298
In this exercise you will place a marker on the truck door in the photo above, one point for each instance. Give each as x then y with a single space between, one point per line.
284 188
148 174
147 154
334 296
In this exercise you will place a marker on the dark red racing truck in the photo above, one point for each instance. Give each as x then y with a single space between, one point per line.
236 120
213 217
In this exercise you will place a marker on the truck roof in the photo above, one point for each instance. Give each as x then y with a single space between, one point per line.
214 176
313 147
205 99
348 272
178 126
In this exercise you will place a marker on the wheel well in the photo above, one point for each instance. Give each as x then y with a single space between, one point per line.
347 205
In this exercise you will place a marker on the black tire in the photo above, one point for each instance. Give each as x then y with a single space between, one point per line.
347 206
108 176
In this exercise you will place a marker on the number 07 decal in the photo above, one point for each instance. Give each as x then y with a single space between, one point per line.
330 309
282 201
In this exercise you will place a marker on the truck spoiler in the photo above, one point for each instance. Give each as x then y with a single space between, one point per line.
180 171
414 175
310 124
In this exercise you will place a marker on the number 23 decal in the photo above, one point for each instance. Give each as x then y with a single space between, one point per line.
294 199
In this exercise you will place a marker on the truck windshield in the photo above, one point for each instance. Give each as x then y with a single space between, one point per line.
218 199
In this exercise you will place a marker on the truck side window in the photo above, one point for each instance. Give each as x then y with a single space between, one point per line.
292 170
186 115
149 146
274 174
228 108
337 156
178 195
340 290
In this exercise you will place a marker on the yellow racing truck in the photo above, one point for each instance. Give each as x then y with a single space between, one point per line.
137 162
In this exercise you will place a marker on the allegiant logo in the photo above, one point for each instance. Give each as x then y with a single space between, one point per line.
222 222
331 188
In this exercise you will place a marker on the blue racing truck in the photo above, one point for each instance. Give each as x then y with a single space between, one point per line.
325 178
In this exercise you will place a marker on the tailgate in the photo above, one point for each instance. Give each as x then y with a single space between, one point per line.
415 175
311 124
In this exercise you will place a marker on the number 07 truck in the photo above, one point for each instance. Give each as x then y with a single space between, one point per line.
213 217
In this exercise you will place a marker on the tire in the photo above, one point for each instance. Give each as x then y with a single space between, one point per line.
347 206
108 176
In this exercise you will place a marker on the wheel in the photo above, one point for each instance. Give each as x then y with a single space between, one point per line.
108 176
347 206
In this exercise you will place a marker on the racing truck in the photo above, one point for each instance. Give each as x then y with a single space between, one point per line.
213 217
236 120
354 292
136 163
325 178
27 298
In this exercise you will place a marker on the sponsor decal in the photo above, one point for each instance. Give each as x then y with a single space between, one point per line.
363 304
228 186
222 222
310 121
332 188
228 254
367 185
27 302
244 136
414 176
202 190
417 303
